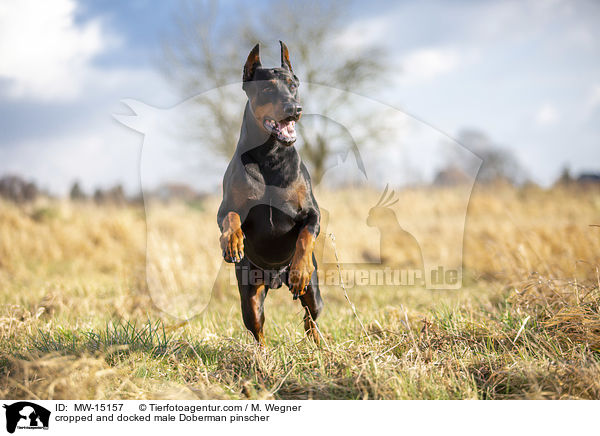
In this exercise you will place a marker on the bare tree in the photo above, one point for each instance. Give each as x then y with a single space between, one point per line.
499 163
17 189
213 40
76 193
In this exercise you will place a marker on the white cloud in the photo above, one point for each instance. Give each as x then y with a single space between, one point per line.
428 63
96 150
362 33
594 98
547 114
45 53
99 156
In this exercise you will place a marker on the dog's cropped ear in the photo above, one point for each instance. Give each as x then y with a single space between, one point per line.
285 57
252 64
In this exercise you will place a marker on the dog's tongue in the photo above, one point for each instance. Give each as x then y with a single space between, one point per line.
287 129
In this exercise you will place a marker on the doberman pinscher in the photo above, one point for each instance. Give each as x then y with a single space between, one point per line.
269 218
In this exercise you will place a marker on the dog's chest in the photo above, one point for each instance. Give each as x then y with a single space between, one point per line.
289 196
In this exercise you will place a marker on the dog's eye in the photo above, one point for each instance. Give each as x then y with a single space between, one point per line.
293 87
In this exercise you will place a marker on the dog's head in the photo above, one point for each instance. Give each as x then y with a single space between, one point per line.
273 95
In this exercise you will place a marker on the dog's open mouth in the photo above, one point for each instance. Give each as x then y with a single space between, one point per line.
284 130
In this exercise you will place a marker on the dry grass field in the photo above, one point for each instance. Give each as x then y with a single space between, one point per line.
78 318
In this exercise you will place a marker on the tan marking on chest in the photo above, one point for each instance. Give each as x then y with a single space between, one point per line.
298 193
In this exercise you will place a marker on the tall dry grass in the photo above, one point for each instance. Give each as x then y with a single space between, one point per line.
80 320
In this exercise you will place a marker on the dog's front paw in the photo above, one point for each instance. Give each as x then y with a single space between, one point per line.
232 244
301 271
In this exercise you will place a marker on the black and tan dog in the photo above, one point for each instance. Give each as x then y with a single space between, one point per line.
269 218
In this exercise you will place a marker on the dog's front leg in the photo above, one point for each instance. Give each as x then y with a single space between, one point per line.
302 266
232 238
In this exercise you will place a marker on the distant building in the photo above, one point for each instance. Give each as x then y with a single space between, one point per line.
589 178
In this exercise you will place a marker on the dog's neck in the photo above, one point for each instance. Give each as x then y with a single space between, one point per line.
278 162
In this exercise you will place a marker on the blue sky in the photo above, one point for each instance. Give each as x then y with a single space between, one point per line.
525 72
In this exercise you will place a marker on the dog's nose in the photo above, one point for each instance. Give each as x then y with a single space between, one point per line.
293 110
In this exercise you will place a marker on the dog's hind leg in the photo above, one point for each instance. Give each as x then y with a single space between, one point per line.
253 312
252 296
313 304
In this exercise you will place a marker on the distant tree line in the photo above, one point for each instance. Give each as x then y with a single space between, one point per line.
116 195
18 190
498 165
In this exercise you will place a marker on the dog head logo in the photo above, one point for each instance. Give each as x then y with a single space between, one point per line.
26 415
